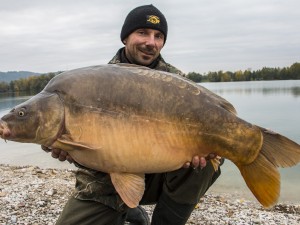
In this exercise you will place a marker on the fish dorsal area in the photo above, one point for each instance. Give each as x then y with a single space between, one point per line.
178 81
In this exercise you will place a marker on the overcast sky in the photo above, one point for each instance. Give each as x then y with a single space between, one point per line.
204 35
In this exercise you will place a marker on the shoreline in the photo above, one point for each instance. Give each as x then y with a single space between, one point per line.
32 195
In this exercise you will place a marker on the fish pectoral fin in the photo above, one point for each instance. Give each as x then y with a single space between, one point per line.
129 186
68 145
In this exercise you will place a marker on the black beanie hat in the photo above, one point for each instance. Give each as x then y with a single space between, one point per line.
146 16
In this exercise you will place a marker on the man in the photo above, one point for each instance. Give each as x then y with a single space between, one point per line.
176 193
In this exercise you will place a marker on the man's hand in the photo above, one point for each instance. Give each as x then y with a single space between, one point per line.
199 161
58 154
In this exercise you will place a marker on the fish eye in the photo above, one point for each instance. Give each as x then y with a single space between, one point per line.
21 113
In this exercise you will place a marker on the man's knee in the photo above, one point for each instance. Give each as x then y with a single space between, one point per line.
88 213
169 212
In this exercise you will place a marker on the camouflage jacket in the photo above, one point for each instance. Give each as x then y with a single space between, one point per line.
97 186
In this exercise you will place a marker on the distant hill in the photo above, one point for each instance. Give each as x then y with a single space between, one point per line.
15 75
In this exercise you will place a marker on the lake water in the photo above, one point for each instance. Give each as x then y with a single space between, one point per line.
270 104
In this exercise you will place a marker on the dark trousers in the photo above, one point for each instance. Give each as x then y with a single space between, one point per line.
175 195
83 212
168 212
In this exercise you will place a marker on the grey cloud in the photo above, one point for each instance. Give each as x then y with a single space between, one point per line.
204 36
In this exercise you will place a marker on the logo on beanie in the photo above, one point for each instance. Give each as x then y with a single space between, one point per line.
153 19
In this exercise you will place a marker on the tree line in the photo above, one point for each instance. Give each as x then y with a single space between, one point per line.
32 84
266 73
35 84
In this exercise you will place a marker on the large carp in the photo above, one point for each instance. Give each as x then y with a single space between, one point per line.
128 120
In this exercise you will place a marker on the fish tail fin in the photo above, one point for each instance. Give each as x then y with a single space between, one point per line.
262 176
263 179
279 150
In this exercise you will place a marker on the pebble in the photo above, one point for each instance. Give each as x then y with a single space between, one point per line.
50 192
30 195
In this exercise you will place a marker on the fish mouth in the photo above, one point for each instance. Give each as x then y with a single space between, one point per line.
4 130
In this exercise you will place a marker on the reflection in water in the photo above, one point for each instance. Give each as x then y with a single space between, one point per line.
8 101
296 91
290 87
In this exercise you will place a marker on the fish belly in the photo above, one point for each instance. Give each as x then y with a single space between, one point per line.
132 144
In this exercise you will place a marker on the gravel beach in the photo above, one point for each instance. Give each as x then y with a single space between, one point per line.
31 195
